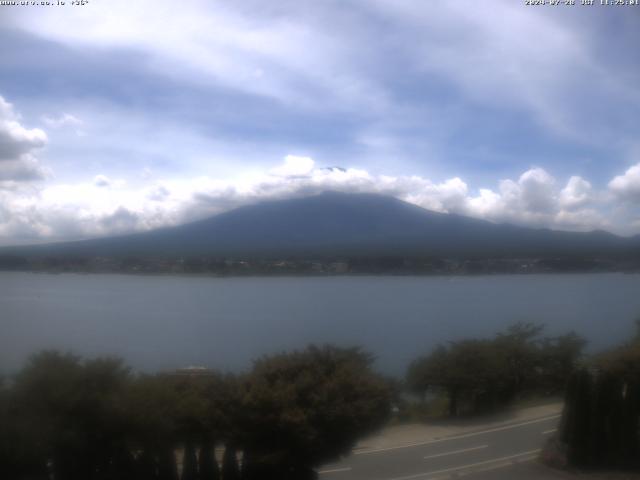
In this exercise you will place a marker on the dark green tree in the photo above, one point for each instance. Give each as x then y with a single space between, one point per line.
22 454
428 371
152 402
602 411
189 463
77 407
558 359
207 463
230 468
308 407
577 419
480 375
471 372
519 347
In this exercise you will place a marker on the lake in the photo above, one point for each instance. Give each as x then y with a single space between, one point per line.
162 322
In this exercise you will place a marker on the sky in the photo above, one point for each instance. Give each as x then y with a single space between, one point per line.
120 116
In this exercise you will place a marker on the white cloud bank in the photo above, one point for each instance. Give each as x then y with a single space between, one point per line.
627 186
18 146
34 210
102 206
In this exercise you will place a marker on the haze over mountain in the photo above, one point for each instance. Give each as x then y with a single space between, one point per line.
334 224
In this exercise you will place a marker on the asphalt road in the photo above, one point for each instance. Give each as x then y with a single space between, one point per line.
507 451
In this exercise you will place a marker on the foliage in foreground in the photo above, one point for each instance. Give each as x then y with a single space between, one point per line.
67 418
482 375
601 421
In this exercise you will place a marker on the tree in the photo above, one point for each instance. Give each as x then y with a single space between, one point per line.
230 469
559 358
308 407
207 463
92 420
577 418
78 411
22 456
480 375
206 411
152 406
189 462
471 372
602 411
428 371
519 347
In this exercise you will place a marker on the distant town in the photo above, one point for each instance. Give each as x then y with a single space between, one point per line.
326 266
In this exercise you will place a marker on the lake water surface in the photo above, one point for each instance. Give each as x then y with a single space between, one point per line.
159 322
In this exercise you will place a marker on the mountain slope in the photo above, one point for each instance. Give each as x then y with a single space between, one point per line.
342 224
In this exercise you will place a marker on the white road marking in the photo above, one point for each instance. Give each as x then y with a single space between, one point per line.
493 467
464 467
455 452
465 435
547 432
334 470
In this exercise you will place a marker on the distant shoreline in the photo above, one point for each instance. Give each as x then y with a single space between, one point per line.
323 274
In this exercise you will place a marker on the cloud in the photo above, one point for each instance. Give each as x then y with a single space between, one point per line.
245 47
158 193
578 193
66 119
104 207
18 145
487 54
535 190
535 200
627 186
120 221
15 139
294 166
458 95
583 219
24 169
382 80
101 181
255 49
449 196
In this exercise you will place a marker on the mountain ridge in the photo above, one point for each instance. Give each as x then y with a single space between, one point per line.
339 224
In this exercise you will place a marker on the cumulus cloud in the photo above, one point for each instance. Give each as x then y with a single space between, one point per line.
120 221
576 194
158 193
535 200
536 191
23 169
18 145
583 219
98 207
294 166
627 186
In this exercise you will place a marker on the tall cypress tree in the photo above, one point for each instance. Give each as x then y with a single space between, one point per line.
207 463
578 430
189 463
230 470
167 468
145 466
631 424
